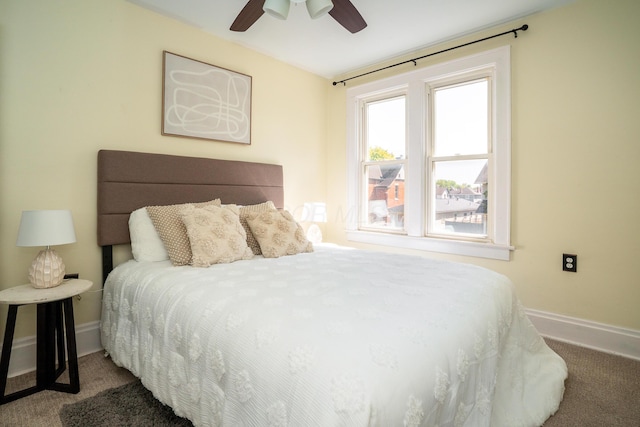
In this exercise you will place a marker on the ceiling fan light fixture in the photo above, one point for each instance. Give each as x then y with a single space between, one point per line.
317 8
277 8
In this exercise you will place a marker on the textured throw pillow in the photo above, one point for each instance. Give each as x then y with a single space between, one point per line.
244 212
215 234
166 220
146 244
278 234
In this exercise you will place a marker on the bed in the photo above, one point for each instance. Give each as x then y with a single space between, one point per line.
328 336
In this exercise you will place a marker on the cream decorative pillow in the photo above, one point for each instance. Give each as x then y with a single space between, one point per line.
215 234
246 211
166 220
278 234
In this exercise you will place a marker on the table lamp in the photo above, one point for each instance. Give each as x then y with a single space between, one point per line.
46 228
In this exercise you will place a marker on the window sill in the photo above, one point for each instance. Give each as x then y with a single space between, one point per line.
455 247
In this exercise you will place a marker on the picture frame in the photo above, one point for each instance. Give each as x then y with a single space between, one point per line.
203 101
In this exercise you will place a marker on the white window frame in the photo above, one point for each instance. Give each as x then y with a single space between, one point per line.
415 83
363 155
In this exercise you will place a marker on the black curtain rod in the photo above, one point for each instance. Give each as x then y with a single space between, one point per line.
514 31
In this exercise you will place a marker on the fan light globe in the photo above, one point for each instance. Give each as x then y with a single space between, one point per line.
277 8
318 8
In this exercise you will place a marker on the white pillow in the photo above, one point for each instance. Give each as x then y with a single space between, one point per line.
146 244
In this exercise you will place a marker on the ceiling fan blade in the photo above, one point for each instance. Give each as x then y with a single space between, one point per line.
347 15
248 15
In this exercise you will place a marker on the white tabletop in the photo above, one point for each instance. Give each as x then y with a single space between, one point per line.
27 294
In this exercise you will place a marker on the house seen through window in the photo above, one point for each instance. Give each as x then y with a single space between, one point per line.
384 162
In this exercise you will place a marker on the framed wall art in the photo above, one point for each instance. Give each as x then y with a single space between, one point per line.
200 100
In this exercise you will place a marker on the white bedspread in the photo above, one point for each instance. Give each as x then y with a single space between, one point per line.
337 337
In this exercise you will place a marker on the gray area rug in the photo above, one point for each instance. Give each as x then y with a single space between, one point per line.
127 405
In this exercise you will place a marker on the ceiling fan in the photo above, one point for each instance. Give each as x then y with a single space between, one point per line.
342 11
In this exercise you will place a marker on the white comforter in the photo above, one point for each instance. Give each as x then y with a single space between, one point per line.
337 337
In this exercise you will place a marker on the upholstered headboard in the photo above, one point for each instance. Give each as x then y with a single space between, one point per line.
130 180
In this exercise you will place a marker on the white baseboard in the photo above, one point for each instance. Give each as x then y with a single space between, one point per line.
585 333
23 352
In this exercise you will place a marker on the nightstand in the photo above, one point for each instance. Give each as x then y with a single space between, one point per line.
54 308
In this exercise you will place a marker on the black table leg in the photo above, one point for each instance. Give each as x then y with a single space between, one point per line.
74 378
51 317
60 340
6 350
46 344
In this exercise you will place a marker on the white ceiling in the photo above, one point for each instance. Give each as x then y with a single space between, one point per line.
324 47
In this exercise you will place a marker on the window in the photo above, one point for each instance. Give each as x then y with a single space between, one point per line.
429 158
459 159
384 143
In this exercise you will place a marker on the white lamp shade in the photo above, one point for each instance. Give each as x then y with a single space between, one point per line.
46 228
317 8
277 8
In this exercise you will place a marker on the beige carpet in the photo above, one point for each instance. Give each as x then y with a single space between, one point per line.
602 391
97 373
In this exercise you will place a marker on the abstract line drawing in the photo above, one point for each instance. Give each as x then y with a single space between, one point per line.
201 100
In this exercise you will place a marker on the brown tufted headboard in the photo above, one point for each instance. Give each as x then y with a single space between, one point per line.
130 180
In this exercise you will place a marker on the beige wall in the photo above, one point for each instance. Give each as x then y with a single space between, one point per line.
80 75
575 159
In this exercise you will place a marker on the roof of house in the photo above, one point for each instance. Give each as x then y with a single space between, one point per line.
455 205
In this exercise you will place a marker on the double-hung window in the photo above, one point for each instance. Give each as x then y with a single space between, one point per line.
429 158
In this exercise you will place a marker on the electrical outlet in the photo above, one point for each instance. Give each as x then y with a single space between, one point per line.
570 263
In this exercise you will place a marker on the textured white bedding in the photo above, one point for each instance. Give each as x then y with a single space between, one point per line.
337 337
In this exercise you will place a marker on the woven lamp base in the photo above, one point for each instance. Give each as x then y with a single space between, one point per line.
47 270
